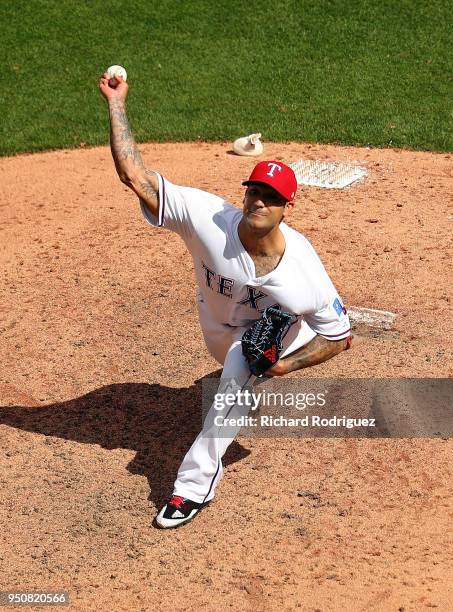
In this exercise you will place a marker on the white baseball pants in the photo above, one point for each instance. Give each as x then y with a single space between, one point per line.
201 468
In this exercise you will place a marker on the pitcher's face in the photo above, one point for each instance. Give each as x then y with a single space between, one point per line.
264 208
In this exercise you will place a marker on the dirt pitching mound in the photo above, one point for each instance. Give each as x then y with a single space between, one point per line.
102 362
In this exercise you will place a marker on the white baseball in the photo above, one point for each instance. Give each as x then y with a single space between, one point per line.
115 71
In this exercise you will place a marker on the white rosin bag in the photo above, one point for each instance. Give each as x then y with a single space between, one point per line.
248 145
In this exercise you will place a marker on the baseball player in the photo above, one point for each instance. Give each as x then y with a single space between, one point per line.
245 260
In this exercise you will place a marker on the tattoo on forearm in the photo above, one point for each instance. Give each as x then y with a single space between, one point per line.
316 351
122 142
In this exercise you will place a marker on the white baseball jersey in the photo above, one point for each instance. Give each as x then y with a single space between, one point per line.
230 297
228 287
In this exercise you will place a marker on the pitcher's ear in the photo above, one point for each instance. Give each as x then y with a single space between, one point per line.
289 206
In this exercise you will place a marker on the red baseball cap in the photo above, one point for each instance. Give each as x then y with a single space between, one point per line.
277 175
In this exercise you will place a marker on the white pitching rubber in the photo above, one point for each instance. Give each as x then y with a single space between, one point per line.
381 319
332 175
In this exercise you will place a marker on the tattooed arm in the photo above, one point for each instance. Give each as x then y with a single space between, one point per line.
316 351
128 161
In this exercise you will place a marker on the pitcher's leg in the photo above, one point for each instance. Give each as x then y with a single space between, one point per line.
201 468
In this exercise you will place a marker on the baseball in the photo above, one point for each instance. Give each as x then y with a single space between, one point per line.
115 71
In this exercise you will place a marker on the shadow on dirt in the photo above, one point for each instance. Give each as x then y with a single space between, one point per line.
159 423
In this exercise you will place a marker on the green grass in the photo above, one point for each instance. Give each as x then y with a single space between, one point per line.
369 72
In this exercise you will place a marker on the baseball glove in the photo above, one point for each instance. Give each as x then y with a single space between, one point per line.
262 342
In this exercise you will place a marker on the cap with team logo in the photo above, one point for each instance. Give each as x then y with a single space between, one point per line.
277 175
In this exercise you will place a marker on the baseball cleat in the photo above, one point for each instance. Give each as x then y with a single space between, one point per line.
177 511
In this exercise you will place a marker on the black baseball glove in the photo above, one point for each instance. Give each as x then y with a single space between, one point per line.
262 342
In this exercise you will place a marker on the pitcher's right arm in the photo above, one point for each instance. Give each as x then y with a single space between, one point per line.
128 161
